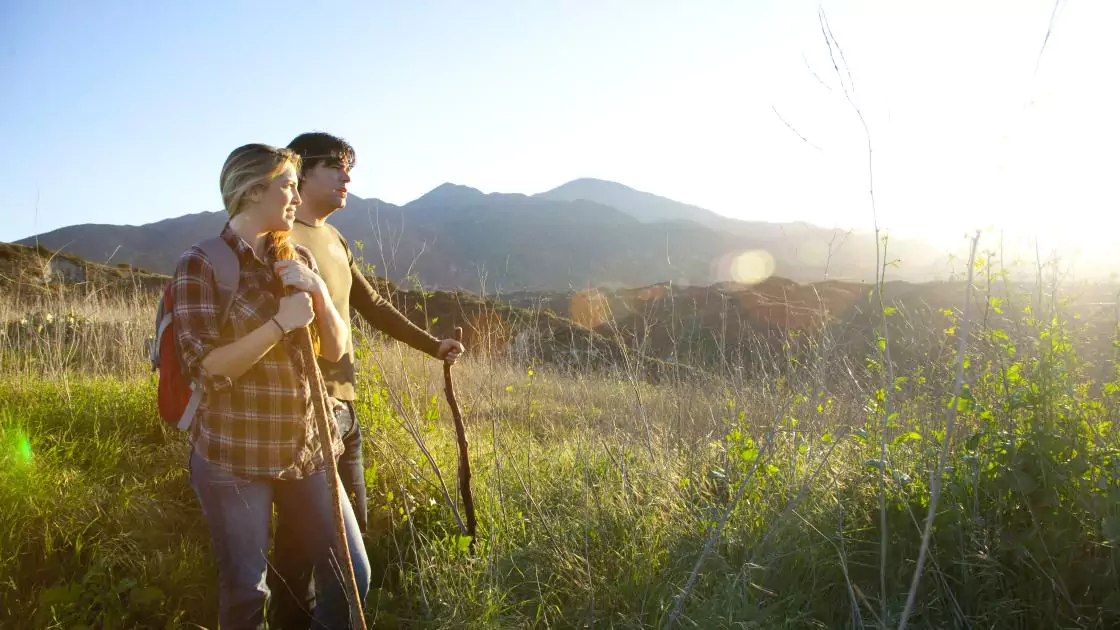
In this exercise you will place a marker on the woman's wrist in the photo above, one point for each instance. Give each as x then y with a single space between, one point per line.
283 331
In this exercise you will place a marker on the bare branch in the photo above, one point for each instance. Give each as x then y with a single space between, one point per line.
881 267
951 413
1049 30
814 73
791 128
829 41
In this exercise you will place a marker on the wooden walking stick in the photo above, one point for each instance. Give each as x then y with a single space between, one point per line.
342 546
461 436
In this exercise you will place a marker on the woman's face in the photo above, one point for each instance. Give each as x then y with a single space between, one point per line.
275 210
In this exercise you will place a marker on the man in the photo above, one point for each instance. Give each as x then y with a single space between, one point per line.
325 172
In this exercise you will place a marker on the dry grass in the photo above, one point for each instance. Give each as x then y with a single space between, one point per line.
597 491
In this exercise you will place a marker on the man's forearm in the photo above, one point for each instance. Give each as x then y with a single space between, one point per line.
380 313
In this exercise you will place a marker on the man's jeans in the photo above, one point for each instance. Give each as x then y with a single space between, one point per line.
290 576
238 512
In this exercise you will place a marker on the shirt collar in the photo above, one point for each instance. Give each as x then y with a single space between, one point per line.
245 253
310 225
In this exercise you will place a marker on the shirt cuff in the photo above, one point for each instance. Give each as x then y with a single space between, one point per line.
213 382
432 347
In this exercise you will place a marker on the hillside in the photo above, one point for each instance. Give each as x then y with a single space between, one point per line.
39 279
579 235
35 273
691 327
759 326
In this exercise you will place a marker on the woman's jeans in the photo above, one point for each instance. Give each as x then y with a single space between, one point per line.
292 604
239 514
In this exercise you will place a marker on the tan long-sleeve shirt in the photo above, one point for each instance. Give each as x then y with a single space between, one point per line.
349 287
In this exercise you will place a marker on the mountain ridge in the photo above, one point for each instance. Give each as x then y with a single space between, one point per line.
584 233
644 206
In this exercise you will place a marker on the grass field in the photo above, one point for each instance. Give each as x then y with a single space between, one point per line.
797 500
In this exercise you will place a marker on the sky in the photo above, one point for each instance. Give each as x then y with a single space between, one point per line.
123 112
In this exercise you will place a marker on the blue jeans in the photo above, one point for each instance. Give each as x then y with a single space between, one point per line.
239 514
290 576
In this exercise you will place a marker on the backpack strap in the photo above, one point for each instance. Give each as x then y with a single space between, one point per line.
227 274
227 271
163 320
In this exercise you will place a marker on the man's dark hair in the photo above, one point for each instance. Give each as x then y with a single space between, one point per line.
317 147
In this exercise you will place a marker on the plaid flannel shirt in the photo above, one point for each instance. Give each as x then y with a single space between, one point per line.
260 424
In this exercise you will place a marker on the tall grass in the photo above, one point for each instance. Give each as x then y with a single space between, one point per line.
598 492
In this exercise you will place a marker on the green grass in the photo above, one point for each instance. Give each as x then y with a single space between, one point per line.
598 493
100 526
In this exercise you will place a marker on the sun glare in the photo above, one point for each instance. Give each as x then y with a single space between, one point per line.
752 267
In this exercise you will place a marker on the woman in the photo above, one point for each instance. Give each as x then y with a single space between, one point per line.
254 442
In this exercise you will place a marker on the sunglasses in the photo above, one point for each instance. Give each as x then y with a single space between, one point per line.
330 161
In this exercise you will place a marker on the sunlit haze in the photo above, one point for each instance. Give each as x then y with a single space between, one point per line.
123 112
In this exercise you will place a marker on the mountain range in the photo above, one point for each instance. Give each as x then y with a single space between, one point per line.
585 233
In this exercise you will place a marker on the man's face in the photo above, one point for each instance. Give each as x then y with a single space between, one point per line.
324 185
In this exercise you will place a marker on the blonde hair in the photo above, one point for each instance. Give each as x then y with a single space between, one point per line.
250 168
279 247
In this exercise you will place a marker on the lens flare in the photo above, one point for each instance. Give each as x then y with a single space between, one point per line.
590 308
752 267
16 449
25 449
